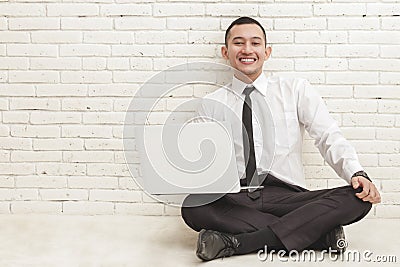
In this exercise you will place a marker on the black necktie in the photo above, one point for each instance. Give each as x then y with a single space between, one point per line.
248 143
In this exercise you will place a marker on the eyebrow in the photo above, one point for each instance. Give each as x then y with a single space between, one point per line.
255 37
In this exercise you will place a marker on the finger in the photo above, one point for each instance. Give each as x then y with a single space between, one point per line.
355 183
364 192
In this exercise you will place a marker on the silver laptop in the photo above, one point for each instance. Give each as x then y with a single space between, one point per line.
193 158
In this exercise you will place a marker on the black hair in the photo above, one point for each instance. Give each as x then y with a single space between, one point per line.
244 20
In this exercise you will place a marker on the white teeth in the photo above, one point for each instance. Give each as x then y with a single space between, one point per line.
247 59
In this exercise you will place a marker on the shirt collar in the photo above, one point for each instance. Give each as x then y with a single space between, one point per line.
261 84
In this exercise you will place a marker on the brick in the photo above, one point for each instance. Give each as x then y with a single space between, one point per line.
85 104
28 207
390 51
35 156
390 185
138 23
161 37
32 50
374 64
15 168
14 37
104 118
115 195
88 156
23 9
14 63
86 77
374 37
298 50
94 63
390 23
129 76
339 9
139 208
128 183
112 89
93 182
34 76
193 23
137 50
389 106
87 24
190 50
382 9
280 37
388 211
286 10
370 91
127 157
118 63
363 23
320 64
58 144
389 160
125 9
88 208
85 50
137 63
61 90
390 77
17 89
56 37
55 63
54 117
321 37
34 104
345 77
300 24
56 168
335 91
222 9
377 146
355 133
86 131
107 169
15 117
41 181
103 144
178 9
352 50
38 23
64 194
7 181
350 105
72 9
108 37
368 120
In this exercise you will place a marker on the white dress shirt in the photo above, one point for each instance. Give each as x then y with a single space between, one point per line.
282 109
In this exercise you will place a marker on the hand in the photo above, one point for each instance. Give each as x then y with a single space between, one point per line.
369 193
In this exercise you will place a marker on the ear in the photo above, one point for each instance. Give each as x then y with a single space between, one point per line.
268 52
224 52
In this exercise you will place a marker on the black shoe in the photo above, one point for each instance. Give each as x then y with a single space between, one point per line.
212 245
335 239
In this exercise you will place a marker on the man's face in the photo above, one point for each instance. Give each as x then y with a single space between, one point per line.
246 49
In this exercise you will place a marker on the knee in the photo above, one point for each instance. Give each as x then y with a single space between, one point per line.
356 204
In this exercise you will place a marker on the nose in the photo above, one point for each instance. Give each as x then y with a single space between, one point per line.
247 48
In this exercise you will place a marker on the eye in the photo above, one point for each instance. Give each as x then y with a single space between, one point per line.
256 44
238 43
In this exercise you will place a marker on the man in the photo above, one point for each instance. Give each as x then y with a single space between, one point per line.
281 213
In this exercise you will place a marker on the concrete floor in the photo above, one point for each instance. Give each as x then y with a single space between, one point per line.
50 240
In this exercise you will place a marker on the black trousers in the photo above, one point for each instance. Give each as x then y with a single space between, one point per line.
297 216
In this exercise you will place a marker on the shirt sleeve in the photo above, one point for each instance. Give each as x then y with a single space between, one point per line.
203 114
329 140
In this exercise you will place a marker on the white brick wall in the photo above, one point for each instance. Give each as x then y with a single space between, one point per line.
69 70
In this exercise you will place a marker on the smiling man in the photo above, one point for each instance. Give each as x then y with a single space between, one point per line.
280 212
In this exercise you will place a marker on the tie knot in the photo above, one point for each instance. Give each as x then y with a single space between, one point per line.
247 91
